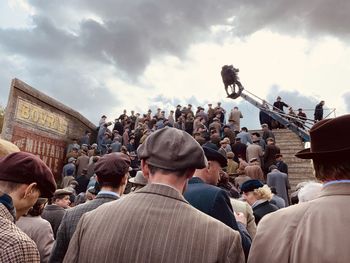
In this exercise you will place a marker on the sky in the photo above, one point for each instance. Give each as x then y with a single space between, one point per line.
100 57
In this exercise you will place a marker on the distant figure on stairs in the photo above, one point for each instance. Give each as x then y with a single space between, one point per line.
318 115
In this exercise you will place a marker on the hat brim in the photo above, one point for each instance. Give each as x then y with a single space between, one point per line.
308 154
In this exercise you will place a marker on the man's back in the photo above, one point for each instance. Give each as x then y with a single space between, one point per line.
315 231
279 181
155 224
70 222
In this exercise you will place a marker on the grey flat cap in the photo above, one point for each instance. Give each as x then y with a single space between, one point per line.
172 149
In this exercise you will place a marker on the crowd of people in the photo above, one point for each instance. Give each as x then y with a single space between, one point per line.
189 187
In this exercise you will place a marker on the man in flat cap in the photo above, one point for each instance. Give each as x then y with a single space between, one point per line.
23 178
318 230
112 172
204 195
168 228
55 211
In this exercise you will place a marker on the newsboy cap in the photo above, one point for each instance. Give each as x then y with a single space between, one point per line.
26 168
329 140
112 165
213 155
251 185
172 149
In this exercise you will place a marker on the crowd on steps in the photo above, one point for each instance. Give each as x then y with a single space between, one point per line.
187 187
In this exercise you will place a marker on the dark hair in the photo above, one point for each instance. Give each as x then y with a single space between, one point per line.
326 170
245 129
178 173
37 208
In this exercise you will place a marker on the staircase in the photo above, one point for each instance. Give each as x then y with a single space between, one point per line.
299 170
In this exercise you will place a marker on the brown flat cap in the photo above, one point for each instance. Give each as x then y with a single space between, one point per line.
26 168
112 165
60 192
172 149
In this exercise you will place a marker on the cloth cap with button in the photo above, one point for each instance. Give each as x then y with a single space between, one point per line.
26 168
172 149
112 165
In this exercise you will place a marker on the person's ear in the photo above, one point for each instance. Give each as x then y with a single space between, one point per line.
30 190
145 169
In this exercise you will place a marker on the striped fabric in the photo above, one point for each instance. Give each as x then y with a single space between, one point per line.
155 224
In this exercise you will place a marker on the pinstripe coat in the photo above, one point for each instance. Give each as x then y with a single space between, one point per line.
15 245
155 224
69 224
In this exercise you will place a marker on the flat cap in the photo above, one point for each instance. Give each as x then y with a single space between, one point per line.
213 155
172 149
26 168
59 192
251 185
112 165
138 179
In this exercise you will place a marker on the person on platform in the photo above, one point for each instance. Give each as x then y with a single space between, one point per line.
168 228
314 231
318 115
236 116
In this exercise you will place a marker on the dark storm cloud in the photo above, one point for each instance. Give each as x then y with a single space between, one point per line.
134 32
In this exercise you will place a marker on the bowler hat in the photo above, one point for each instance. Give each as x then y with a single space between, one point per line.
26 168
172 149
213 155
329 139
251 185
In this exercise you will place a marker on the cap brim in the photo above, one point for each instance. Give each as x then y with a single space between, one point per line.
308 154
304 154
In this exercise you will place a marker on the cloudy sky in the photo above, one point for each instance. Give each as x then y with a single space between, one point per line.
100 57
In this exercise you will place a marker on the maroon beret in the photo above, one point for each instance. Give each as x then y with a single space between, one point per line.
26 168
112 165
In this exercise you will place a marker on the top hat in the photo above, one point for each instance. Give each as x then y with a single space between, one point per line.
329 138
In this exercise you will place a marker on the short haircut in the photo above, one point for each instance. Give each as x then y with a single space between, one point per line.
9 187
178 173
245 129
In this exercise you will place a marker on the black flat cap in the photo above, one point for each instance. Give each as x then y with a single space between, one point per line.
213 155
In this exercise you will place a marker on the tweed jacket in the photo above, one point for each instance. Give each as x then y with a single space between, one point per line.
155 224
15 245
314 231
69 224
53 214
40 231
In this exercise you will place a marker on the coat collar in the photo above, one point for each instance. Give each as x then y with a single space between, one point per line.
163 190
335 189
196 180
107 196
5 213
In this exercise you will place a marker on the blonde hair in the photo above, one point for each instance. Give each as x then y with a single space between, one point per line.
263 193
